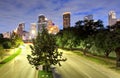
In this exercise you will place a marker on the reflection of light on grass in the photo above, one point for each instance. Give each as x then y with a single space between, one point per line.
11 57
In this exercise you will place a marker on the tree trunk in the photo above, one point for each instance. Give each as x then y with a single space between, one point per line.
107 54
46 68
85 50
117 51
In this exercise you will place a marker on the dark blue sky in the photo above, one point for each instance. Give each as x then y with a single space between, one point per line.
12 12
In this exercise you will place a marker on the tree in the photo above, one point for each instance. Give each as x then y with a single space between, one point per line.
1 51
44 51
1 35
16 40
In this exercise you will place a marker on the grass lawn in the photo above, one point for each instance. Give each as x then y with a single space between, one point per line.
43 74
106 62
10 57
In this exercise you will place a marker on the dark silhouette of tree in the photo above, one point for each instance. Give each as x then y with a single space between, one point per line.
1 36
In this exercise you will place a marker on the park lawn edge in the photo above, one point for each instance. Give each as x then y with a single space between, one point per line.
99 60
10 57
43 74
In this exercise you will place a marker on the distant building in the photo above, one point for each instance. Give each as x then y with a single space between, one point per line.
52 29
26 36
88 17
6 35
66 20
112 18
33 30
42 21
50 23
20 29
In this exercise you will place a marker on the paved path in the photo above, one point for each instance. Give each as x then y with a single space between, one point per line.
18 67
79 67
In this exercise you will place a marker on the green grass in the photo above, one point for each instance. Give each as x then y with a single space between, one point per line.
43 74
106 62
10 57
97 59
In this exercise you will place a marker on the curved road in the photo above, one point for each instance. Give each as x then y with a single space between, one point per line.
18 67
79 67
74 67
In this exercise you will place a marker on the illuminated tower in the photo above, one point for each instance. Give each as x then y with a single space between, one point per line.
42 21
112 18
20 29
66 20
33 30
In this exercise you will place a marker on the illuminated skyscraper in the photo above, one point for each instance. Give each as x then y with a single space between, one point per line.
42 21
112 18
52 29
33 30
66 20
20 29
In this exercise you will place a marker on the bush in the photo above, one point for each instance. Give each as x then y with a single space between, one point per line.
7 45
1 51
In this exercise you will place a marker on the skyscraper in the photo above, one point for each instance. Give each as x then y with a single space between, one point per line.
33 30
52 29
112 18
66 20
88 17
20 29
41 22
41 18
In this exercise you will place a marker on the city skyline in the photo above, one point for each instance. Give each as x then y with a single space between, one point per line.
12 12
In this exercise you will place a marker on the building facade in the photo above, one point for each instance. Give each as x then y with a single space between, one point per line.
33 30
20 29
6 35
66 20
52 29
42 21
112 18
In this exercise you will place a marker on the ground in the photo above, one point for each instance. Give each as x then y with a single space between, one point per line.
79 67
75 67
18 67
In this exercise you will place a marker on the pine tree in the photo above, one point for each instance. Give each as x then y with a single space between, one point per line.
44 51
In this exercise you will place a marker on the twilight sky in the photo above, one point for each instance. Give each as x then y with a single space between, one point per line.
12 12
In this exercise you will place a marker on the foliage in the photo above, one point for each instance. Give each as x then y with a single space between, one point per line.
16 40
1 51
44 51
1 35
7 45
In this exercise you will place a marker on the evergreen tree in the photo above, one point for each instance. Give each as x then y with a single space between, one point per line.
44 51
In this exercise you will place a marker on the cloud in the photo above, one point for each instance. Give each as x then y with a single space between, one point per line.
14 11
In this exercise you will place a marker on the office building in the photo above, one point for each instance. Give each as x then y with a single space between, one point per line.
42 21
112 18
33 31
52 29
66 20
20 29
88 17
6 35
